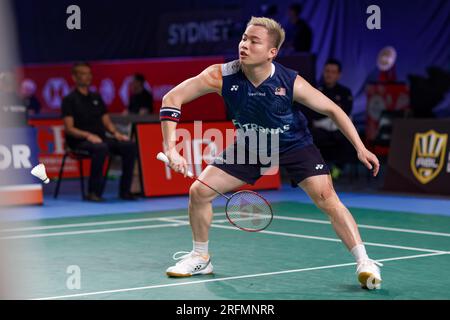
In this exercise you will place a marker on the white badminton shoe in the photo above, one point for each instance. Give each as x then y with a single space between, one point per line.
369 274
190 264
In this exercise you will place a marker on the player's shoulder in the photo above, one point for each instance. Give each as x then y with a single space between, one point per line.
213 68
212 75
230 68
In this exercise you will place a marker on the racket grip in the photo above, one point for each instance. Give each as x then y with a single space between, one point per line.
162 157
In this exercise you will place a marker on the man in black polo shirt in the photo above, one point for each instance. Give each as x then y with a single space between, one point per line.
333 145
86 122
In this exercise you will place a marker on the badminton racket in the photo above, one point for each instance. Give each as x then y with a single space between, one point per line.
245 209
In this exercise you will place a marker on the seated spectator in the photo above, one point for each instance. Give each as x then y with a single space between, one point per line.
141 100
86 123
333 145
31 102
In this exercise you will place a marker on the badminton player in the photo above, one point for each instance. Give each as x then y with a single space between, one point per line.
259 95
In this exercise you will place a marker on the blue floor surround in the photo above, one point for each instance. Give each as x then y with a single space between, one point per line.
70 204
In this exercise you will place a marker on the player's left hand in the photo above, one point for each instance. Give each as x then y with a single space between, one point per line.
369 160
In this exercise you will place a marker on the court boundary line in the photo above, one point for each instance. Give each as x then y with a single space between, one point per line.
368 226
91 231
276 217
232 277
296 235
177 223
303 236
86 224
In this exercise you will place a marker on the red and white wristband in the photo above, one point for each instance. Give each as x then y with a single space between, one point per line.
169 114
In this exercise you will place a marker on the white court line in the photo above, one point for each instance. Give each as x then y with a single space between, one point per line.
276 217
88 224
232 278
43 235
295 235
366 226
176 223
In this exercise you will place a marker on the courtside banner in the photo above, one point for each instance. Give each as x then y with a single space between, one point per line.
50 138
18 155
200 144
419 158
111 80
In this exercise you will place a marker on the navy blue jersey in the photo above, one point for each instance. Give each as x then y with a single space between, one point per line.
266 109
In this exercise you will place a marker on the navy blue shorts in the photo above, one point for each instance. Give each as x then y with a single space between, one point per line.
300 163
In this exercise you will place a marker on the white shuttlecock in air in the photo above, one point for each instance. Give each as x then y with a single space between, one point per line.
39 172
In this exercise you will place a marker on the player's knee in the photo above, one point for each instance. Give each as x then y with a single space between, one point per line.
326 197
199 193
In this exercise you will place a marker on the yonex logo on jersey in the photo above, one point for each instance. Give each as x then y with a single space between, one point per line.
175 115
234 88
319 166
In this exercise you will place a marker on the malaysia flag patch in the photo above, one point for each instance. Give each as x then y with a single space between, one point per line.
280 91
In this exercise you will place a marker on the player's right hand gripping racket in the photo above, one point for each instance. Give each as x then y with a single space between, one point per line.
246 210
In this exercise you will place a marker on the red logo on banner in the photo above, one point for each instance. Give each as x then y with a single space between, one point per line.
51 82
50 136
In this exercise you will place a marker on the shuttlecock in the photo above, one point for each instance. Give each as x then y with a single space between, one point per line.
39 172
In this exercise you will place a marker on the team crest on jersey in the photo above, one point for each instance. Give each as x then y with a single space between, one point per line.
428 155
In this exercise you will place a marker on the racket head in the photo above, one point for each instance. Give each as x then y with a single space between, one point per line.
249 211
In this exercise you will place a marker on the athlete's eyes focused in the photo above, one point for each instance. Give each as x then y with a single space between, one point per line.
254 39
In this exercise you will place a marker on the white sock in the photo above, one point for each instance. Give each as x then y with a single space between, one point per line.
201 247
359 252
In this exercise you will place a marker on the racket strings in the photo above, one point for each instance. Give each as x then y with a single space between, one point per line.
249 211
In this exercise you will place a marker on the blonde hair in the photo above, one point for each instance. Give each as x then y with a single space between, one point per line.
275 30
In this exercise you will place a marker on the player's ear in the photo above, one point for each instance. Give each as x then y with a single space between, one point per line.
273 53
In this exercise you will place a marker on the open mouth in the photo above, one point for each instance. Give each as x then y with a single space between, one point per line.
243 54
